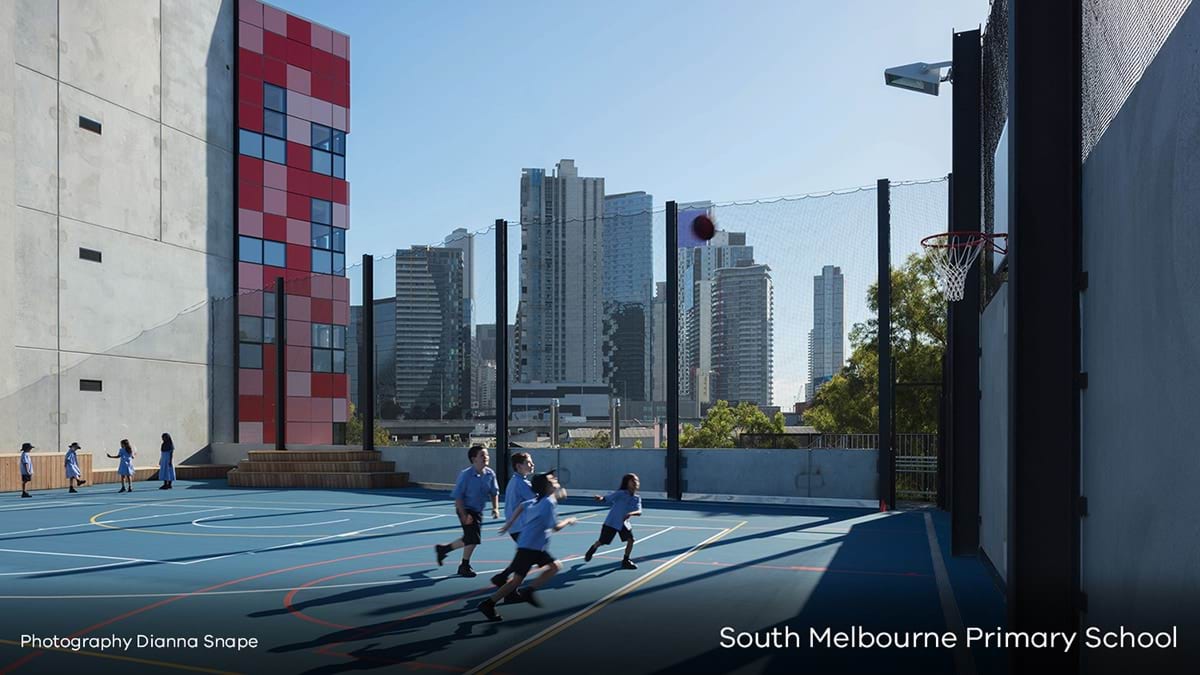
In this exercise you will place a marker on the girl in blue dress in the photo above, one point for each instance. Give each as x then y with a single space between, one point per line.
125 468
71 466
166 466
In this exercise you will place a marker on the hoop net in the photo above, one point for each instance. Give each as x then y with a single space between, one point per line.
953 253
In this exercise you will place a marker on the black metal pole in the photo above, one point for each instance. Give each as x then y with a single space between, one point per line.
945 421
1043 581
887 461
502 351
280 366
963 316
671 386
366 373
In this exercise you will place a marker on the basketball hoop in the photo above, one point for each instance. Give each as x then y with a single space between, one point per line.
953 253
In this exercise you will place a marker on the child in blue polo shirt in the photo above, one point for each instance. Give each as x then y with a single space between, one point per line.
625 504
539 517
474 485
71 467
516 493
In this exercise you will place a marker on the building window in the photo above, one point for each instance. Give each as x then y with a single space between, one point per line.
328 348
274 98
274 150
250 250
322 162
322 211
274 123
329 151
250 144
250 356
329 246
322 261
274 254
322 138
339 166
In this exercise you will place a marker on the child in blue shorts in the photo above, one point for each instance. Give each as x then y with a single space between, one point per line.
625 504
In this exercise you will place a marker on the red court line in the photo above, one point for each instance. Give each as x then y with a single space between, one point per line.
121 617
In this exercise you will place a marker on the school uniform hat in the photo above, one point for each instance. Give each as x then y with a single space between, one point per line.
75 445
26 446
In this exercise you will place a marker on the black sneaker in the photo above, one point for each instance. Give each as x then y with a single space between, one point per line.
26 494
527 595
513 598
627 564
464 570
81 482
500 579
587 557
442 552
121 490
488 609
72 490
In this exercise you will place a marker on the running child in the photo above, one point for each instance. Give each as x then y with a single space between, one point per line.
539 518
125 468
26 468
474 485
625 504
71 466
516 493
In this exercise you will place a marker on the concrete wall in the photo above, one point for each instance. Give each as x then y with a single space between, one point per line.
819 474
153 193
993 432
1141 349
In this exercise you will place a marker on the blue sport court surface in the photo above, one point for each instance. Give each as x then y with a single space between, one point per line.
343 581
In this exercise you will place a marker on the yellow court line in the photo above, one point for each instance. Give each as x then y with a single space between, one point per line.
131 659
521 647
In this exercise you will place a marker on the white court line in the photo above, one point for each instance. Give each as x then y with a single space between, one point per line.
52 505
622 546
109 522
309 541
119 561
197 522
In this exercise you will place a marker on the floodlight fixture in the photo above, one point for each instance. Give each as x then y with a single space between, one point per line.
922 77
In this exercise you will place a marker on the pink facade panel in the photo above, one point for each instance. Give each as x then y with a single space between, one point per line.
299 131
298 79
299 333
250 382
250 276
341 45
298 105
299 409
341 313
322 409
298 309
322 112
250 37
299 359
299 433
341 289
322 286
340 117
275 176
250 432
341 410
275 201
321 434
322 38
299 384
299 232
250 304
274 20
251 11
250 223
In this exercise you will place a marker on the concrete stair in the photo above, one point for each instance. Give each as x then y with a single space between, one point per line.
323 469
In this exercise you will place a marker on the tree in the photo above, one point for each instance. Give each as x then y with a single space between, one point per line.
600 440
354 430
723 425
848 403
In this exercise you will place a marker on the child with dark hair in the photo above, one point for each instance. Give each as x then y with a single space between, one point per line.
166 462
625 504
125 467
26 468
540 518
71 467
516 493
474 485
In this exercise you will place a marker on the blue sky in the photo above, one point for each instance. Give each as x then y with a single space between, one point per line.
686 100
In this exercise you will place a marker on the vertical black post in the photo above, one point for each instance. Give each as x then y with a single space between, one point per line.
502 352
887 460
1043 323
366 357
280 366
963 316
674 458
945 421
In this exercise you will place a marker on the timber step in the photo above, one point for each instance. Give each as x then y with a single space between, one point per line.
315 455
321 480
316 467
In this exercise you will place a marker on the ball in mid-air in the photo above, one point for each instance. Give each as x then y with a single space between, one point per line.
704 227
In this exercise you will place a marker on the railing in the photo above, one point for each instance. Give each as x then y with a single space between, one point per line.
916 467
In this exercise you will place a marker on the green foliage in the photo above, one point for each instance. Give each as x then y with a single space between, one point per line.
722 426
354 430
848 403
600 440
